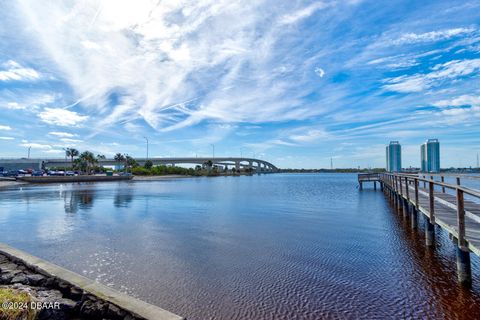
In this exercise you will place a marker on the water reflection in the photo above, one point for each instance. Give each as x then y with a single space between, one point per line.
123 197
261 247
78 199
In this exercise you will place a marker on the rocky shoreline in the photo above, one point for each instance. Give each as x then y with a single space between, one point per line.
54 298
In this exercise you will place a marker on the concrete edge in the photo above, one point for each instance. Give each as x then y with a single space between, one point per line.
126 302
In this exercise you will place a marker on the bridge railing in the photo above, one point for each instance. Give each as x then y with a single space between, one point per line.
368 177
401 184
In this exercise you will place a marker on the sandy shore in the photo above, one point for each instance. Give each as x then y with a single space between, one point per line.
7 183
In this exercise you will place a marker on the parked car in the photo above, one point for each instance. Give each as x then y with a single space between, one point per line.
37 173
70 173
11 173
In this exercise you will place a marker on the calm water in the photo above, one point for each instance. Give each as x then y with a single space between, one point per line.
261 247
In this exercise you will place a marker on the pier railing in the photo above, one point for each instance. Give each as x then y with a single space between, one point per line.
408 186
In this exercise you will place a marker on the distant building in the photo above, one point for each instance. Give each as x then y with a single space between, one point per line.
430 156
394 157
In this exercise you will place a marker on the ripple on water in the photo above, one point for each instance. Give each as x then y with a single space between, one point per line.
261 247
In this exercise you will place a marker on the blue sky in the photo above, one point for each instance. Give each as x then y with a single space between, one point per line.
292 82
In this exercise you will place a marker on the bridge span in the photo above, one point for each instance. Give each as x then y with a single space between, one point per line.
257 165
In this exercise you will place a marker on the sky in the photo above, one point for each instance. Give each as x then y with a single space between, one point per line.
296 83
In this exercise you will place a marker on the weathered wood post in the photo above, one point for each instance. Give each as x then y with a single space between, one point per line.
458 181
414 221
464 268
406 202
430 221
374 185
399 191
361 185
443 181
424 183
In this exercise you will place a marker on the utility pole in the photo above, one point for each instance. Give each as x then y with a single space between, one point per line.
28 157
331 163
213 151
147 146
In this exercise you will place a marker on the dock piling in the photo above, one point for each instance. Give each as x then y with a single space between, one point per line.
429 233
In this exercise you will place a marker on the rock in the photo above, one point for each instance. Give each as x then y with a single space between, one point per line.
67 304
76 293
8 267
88 309
115 312
6 278
35 279
20 278
52 314
63 286
129 317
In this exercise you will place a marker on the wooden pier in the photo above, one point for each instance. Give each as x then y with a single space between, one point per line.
453 207
369 177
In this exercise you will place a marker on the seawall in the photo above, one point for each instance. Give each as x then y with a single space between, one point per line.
78 297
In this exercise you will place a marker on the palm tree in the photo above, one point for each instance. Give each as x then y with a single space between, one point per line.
130 162
71 153
89 159
101 156
119 157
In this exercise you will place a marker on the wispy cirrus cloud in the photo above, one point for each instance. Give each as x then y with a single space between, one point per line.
290 76
437 35
440 72
13 71
61 134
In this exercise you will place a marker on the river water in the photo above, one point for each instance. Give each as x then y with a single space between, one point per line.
280 246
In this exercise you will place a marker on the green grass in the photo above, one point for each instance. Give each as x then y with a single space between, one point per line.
17 297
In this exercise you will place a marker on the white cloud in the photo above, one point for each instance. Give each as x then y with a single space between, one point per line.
62 134
303 13
7 138
68 140
34 145
25 100
464 100
176 64
309 135
408 38
14 71
3 127
320 72
441 72
61 117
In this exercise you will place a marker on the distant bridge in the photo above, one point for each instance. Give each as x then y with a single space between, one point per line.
257 165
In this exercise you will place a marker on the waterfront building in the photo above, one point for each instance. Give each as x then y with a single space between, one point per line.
430 156
394 157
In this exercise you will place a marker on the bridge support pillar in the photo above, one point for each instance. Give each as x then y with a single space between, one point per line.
237 165
464 268
429 233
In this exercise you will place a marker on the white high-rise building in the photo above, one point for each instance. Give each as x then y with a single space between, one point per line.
430 156
394 157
